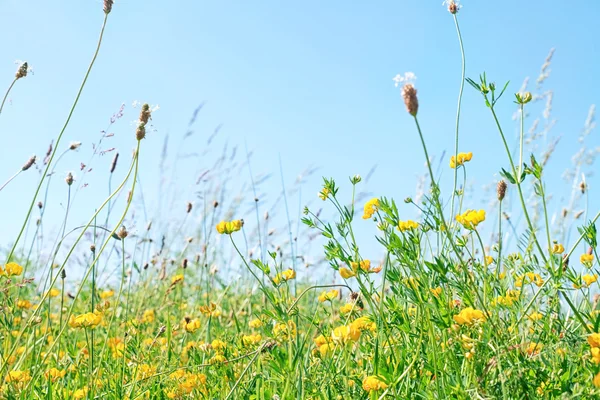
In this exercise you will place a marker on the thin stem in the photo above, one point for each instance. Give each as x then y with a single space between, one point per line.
6 95
11 178
460 95
60 135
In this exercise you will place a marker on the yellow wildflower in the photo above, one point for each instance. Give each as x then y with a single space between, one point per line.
148 316
255 323
176 279
286 275
248 340
460 160
594 340
328 296
18 376
373 383
106 294
468 316
558 248
11 269
191 326
346 308
587 260
595 355
324 194
364 324
53 292
346 273
597 380
55 374
404 226
285 331
345 333
218 345
87 320
471 218
228 227
370 207
589 279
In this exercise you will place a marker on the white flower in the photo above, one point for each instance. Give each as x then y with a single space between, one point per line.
408 77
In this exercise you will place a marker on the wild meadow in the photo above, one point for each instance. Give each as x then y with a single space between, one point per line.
210 300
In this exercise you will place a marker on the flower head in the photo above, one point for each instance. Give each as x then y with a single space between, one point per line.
370 207
471 218
460 159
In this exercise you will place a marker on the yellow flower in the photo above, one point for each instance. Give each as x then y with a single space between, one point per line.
255 323
595 355
597 380
468 316
285 331
436 291
18 377
363 324
324 194
558 248
176 279
589 279
461 159
248 340
80 393
286 275
345 333
370 207
148 316
228 227
404 226
145 371
371 383
471 218
529 277
106 294
191 326
326 348
535 316
55 374
488 260
346 273
53 292
534 348
12 269
218 345
320 340
587 260
26 304
594 340
87 320
346 308
328 296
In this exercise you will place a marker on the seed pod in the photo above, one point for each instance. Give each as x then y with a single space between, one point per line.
501 190
409 93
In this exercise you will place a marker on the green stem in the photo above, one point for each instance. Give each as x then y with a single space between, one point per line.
460 95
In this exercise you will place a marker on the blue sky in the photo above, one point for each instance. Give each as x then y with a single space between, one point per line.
310 82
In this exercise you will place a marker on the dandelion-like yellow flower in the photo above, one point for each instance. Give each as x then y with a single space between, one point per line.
328 296
373 383
409 225
228 227
469 316
370 207
461 159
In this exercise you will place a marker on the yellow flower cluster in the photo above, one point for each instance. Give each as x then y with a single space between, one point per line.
351 332
468 316
228 227
324 194
404 226
370 207
527 278
285 331
471 218
249 340
507 300
558 248
374 383
587 260
286 275
11 269
461 159
328 296
87 320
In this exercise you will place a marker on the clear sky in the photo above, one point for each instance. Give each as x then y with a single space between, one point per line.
308 81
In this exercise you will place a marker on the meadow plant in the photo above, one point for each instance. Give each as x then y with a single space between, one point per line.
445 314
